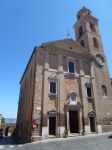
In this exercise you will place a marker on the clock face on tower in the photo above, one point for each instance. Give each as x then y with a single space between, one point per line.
99 59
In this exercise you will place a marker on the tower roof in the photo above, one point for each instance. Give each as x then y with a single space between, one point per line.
83 11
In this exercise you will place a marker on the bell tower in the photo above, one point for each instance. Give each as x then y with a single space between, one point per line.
87 32
88 35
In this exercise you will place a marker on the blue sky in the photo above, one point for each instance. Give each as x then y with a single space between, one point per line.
27 23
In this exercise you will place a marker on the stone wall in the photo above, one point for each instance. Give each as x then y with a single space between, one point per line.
24 117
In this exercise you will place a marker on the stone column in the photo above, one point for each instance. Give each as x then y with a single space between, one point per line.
80 120
68 126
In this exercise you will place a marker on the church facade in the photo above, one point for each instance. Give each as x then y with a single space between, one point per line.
66 89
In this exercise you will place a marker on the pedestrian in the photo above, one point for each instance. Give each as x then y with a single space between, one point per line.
6 131
1 133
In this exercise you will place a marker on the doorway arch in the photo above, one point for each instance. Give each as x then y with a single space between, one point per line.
92 121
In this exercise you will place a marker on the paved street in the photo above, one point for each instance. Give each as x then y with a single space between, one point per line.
91 142
7 143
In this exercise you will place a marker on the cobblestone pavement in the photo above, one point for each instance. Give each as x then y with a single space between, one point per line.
91 142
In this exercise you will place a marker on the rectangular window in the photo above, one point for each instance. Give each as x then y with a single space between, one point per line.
71 66
89 92
52 88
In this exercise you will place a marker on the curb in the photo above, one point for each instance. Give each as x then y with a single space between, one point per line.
69 138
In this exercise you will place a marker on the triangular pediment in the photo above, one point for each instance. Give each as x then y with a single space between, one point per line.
91 114
70 45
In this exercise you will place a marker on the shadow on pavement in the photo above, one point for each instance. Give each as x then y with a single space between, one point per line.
7 141
110 137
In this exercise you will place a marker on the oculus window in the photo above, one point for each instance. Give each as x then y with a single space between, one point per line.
99 59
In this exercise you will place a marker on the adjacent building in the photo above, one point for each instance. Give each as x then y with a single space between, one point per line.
1 117
66 88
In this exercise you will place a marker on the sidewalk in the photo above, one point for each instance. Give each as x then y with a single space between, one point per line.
69 138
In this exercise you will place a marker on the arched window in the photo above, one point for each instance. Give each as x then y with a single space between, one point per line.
80 31
78 16
82 43
72 98
104 91
95 42
92 27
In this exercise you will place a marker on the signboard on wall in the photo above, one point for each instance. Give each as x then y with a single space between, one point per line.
35 123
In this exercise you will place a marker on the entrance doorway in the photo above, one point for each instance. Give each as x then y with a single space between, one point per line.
92 124
52 125
73 121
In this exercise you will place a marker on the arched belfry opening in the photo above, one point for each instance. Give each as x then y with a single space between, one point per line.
86 30
104 91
